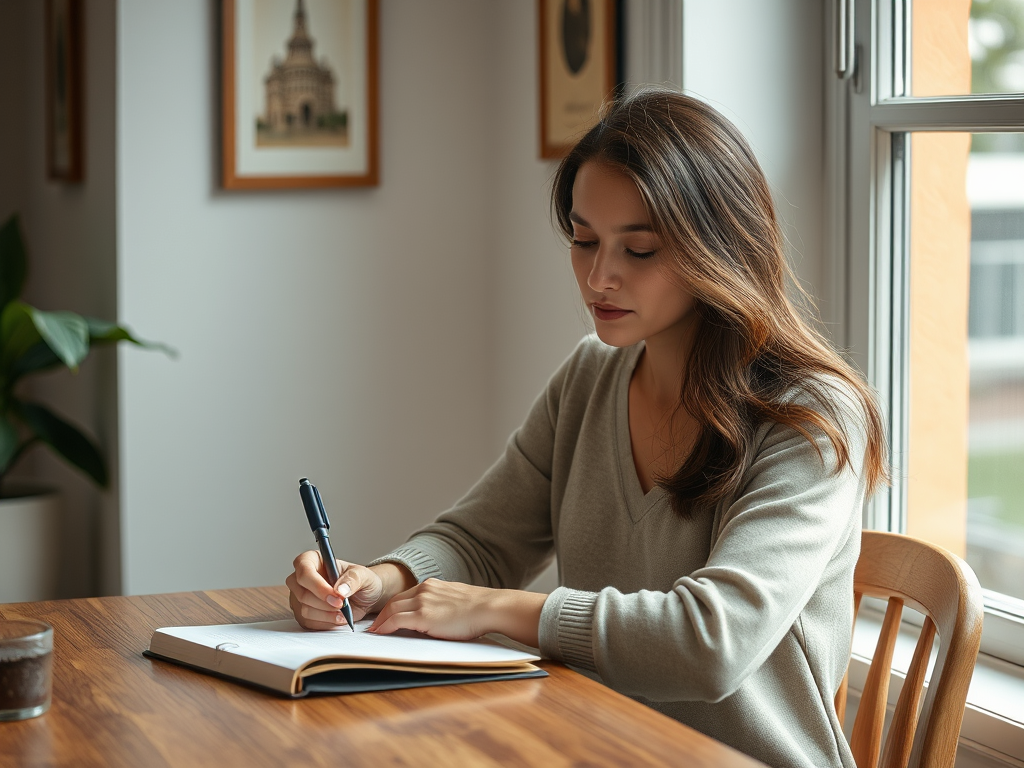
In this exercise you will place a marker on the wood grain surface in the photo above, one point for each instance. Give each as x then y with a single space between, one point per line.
113 707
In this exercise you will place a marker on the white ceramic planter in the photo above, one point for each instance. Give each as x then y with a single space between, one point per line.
28 529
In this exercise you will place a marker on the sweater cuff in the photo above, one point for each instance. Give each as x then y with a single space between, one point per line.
421 565
566 628
428 557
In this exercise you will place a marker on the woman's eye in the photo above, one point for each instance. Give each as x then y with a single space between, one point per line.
640 254
577 243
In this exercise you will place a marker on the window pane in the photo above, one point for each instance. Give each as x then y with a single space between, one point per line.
965 463
995 479
960 47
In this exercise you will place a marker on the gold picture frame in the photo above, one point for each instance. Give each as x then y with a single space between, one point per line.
299 100
578 66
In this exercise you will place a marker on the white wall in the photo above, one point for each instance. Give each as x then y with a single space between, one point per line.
761 64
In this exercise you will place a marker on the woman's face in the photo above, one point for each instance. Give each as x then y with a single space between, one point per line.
620 262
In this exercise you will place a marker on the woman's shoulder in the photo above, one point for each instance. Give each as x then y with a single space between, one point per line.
829 394
836 400
589 377
587 382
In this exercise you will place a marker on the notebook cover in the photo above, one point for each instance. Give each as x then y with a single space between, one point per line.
363 680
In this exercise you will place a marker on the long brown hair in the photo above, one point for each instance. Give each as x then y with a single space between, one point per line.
710 203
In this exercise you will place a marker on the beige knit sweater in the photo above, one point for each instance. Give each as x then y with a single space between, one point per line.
736 621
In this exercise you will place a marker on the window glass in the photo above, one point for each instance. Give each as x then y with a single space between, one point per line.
995 479
965 468
980 45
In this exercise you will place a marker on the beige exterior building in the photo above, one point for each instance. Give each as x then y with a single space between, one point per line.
299 91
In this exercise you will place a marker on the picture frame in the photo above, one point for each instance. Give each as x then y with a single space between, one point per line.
299 94
64 91
578 45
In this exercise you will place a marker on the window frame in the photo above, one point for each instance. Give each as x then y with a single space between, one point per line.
868 124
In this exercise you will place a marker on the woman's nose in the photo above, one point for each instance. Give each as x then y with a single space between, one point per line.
604 272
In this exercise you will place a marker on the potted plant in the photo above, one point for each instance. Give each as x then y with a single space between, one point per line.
32 341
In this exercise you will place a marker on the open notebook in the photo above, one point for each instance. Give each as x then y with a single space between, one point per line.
283 657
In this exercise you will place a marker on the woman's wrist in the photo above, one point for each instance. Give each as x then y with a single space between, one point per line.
395 579
516 614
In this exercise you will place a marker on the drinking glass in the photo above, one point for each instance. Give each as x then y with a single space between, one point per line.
26 659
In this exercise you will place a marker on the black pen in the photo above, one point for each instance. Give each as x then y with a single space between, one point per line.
318 522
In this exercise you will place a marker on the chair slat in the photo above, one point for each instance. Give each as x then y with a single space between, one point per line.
866 740
904 720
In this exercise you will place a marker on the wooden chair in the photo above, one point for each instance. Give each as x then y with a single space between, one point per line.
907 571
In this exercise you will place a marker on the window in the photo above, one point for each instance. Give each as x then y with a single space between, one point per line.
926 144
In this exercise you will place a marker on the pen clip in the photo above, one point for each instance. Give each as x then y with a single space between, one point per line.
313 506
320 506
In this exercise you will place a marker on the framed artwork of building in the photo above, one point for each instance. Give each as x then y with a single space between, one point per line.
577 68
64 111
298 93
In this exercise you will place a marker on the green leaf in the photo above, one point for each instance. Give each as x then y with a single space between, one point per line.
8 442
39 357
18 333
105 332
66 333
13 266
65 439
22 327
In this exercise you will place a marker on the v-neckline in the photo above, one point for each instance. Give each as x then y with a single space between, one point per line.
637 502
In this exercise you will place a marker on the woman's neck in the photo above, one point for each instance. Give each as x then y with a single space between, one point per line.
659 373
661 432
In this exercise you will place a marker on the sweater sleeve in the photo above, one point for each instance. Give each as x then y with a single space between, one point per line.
499 535
703 638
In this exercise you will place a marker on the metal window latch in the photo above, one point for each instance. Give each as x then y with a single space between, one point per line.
844 53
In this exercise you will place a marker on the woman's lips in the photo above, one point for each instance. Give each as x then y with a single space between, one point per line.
607 312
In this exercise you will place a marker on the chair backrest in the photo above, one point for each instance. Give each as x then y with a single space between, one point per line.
907 571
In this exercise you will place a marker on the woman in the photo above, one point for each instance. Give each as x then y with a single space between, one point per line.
699 468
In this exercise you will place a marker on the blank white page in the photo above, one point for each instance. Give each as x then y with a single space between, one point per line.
285 643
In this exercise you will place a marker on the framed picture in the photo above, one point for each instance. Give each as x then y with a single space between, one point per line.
298 93
64 112
578 41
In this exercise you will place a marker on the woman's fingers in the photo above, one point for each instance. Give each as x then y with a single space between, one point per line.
310 576
312 612
309 573
310 617
403 615
440 609
312 599
316 603
307 598
397 604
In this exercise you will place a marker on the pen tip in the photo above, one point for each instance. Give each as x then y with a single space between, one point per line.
303 480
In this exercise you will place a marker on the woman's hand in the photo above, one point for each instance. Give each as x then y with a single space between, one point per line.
453 611
316 604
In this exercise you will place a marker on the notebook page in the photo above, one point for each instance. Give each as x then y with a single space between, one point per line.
284 643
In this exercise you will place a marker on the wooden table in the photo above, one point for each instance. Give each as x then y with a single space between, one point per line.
113 707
